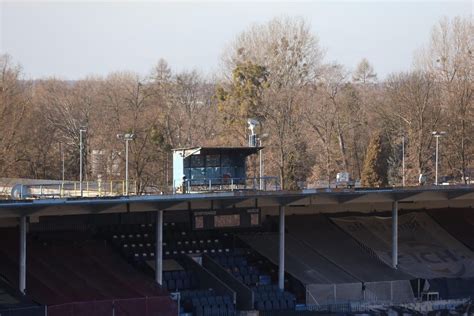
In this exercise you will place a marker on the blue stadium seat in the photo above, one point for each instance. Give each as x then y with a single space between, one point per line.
276 305
290 304
268 305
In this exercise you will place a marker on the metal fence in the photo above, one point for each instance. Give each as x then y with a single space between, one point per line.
146 306
226 184
73 189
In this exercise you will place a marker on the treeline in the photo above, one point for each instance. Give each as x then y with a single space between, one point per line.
316 118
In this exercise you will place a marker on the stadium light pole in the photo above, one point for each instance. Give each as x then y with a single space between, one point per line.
126 137
437 135
403 160
81 149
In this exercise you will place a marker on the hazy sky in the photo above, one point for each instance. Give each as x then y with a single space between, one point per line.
71 40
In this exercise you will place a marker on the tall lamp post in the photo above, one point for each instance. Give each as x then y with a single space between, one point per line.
126 137
403 160
81 149
437 135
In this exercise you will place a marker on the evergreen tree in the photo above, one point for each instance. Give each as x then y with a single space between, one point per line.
375 172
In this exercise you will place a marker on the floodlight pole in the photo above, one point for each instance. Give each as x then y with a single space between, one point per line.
126 166
437 135
81 148
403 160
126 137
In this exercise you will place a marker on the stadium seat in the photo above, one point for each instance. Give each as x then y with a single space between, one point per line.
268 305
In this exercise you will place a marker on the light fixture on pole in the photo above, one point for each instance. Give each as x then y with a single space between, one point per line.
437 135
81 149
253 136
126 137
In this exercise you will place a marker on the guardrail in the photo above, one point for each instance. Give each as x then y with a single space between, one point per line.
226 184
73 189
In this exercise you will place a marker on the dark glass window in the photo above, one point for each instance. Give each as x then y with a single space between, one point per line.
226 161
213 161
197 161
187 173
213 173
198 175
187 162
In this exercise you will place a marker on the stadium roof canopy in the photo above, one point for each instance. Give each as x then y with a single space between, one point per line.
222 200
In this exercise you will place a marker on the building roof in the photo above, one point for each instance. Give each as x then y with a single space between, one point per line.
325 199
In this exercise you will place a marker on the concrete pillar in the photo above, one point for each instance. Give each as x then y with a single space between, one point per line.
281 262
395 234
22 267
159 248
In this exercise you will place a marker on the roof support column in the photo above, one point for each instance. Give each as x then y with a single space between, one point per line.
395 234
159 248
22 267
281 262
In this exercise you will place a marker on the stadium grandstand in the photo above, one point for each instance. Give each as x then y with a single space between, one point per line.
238 250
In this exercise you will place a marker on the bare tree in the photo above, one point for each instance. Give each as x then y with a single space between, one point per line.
288 50
449 59
412 105
14 99
364 72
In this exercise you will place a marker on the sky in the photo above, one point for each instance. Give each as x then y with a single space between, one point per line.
72 40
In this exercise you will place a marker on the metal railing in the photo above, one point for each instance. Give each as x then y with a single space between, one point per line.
69 189
226 184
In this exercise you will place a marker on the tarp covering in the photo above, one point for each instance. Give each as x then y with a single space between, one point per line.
425 249
301 261
319 233
459 222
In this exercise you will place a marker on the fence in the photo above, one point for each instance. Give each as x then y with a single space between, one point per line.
146 306
73 189
226 184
